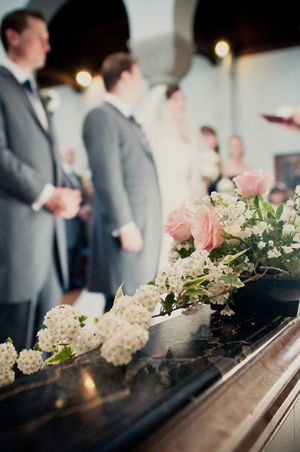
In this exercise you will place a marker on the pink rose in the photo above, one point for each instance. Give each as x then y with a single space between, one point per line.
178 225
253 183
206 229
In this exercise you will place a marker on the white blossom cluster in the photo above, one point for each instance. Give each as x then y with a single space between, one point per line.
63 324
30 361
64 328
8 356
232 213
87 340
124 329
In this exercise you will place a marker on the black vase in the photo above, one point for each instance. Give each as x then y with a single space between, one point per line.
269 296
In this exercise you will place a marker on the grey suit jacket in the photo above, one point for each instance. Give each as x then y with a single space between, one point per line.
28 160
126 190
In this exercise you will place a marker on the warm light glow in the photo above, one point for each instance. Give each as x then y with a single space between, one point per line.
88 383
58 404
84 78
222 48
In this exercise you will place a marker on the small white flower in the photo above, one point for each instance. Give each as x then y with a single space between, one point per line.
119 348
29 361
271 243
47 342
258 229
109 324
133 313
8 355
227 311
288 229
147 296
7 376
261 245
87 340
66 330
60 314
295 246
247 232
273 253
287 249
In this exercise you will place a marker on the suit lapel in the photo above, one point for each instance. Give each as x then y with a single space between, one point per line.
27 102
49 134
136 130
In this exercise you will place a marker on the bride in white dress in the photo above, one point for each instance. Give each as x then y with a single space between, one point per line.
176 149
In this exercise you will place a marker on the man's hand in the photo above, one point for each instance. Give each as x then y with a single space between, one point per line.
64 203
131 239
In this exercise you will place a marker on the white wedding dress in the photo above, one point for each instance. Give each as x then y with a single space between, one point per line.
176 151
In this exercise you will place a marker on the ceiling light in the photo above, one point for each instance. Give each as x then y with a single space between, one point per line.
222 48
84 78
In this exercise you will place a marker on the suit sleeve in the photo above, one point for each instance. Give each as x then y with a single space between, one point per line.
102 144
17 178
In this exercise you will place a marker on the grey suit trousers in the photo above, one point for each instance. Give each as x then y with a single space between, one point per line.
21 321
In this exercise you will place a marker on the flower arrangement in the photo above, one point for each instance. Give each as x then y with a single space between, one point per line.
221 243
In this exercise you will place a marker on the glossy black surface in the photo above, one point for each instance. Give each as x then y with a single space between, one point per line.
87 404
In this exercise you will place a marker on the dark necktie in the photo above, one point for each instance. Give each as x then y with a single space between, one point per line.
28 86
36 102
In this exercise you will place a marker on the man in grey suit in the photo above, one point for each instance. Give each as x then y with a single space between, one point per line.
126 224
32 202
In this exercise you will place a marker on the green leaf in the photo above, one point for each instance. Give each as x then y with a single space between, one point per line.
279 211
82 320
37 347
183 253
168 303
9 340
232 280
65 354
232 257
151 283
119 292
197 292
195 281
266 205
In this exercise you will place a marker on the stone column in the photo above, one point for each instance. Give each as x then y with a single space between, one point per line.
161 37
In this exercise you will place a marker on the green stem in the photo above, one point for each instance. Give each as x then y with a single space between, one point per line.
275 268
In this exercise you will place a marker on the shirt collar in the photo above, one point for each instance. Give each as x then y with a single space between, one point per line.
17 71
118 103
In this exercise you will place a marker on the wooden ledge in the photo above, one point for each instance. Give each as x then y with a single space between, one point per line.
241 412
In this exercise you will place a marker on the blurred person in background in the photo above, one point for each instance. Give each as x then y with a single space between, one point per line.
176 148
210 158
77 227
234 164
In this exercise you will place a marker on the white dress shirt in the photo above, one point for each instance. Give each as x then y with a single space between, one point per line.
118 103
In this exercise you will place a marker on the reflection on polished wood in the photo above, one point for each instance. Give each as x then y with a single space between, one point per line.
202 383
245 411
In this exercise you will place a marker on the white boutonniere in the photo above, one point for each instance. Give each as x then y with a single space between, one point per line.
50 99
